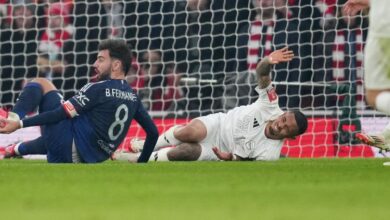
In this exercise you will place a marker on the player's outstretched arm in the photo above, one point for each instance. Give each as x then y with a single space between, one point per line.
352 7
45 118
263 68
146 122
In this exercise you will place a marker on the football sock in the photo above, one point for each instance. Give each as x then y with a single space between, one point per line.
36 146
16 148
382 103
28 99
386 133
161 155
167 139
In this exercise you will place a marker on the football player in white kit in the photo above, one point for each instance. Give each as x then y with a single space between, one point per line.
376 63
251 132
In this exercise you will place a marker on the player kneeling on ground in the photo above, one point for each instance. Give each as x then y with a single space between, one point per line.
90 126
251 132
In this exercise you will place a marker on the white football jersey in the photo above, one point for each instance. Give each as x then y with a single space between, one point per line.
242 133
379 18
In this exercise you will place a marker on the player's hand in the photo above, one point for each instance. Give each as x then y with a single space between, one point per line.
282 55
222 155
352 7
8 126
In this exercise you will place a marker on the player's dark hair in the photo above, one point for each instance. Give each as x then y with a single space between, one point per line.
301 120
118 49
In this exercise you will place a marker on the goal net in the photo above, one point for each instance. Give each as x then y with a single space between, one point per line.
196 57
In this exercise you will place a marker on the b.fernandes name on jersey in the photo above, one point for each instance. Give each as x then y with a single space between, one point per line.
120 94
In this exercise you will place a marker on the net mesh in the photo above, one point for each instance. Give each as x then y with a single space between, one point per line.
196 57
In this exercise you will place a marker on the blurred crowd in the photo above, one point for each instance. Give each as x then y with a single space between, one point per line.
215 42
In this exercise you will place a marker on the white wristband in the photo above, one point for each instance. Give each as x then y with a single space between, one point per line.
21 123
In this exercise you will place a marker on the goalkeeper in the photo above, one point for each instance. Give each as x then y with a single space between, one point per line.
90 126
251 132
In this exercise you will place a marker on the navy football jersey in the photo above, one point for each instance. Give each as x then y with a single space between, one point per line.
101 115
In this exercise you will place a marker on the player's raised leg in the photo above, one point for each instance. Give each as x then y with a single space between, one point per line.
30 97
182 152
193 132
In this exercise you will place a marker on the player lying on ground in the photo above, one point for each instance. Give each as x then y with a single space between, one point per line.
90 126
252 132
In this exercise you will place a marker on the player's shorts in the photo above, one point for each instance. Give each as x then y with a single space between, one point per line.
58 137
213 138
377 63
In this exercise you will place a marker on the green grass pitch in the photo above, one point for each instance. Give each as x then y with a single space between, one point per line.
285 189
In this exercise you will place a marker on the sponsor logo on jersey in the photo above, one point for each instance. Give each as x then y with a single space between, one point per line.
82 98
107 147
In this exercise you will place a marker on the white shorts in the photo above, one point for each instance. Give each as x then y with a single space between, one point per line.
213 126
377 63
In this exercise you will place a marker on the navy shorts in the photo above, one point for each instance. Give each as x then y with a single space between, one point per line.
58 137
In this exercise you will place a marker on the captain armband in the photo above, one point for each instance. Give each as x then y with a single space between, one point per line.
69 109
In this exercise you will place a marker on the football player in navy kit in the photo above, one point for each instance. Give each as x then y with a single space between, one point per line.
90 126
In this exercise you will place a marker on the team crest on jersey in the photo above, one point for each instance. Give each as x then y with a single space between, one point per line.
250 145
272 96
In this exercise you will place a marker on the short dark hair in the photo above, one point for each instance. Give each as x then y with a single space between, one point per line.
301 120
118 49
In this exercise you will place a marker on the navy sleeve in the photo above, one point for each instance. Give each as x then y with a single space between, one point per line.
45 118
146 122
86 98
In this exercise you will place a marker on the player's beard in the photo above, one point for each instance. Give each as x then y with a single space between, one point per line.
103 76
271 131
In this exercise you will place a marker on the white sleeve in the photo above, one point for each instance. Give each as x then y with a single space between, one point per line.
267 95
268 103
